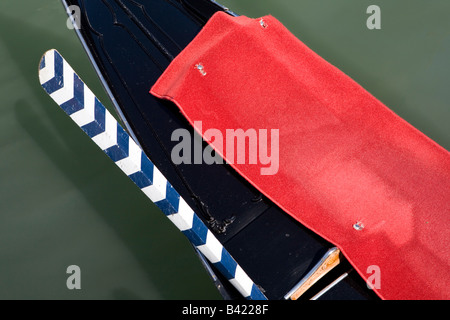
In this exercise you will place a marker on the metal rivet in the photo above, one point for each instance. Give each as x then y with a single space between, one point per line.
358 226
201 68
263 23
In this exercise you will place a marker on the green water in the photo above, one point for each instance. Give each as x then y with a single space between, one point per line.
62 202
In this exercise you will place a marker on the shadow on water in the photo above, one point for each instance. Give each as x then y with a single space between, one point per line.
168 262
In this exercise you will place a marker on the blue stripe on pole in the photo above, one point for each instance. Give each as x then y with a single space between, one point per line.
257 294
197 234
98 126
170 204
42 63
77 102
119 146
141 179
227 265
119 151
58 81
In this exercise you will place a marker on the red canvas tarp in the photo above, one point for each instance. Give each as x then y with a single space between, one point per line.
344 157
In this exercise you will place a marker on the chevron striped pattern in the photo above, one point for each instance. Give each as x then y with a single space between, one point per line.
65 87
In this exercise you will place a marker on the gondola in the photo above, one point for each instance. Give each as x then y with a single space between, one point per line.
131 43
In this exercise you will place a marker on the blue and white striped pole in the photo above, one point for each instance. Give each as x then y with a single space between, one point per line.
65 87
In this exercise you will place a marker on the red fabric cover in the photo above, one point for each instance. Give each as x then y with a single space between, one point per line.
344 156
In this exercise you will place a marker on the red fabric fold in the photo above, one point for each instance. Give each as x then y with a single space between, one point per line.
344 157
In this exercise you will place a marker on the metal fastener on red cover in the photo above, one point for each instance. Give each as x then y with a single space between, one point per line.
358 226
201 68
263 23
